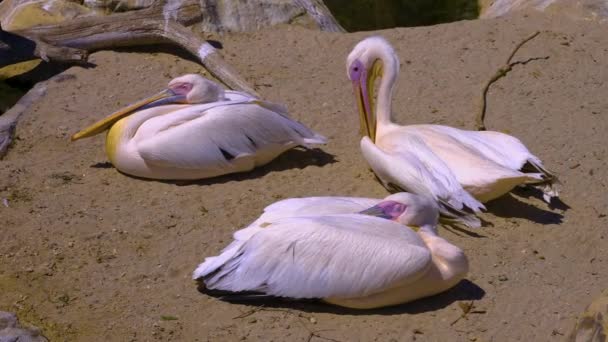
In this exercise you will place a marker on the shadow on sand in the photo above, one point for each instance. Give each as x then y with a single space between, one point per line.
510 206
463 291
296 158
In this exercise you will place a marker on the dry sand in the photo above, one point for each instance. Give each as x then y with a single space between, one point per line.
89 254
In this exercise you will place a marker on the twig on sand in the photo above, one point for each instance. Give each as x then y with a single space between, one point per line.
467 308
260 308
315 333
502 72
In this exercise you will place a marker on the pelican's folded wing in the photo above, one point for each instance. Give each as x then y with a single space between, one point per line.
503 149
212 135
232 95
318 257
409 164
308 206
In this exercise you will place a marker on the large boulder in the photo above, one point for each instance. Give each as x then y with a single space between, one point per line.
579 9
21 14
11 330
213 15
238 16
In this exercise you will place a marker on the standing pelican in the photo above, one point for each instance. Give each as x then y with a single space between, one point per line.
195 129
460 168
359 260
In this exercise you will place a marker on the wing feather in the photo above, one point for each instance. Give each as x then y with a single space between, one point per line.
308 206
317 257
502 149
406 161
211 135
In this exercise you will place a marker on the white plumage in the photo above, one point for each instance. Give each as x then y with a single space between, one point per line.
458 168
299 248
216 133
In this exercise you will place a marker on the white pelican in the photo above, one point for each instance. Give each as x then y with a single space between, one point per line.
460 168
195 129
358 260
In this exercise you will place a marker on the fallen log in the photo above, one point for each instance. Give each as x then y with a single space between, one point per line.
143 27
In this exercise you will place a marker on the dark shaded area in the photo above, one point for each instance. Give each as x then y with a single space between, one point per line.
462 230
509 206
366 15
297 158
13 88
102 165
530 191
465 290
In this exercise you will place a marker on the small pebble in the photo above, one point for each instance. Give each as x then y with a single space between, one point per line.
313 320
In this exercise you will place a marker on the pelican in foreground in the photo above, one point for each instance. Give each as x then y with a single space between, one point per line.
384 255
195 129
459 168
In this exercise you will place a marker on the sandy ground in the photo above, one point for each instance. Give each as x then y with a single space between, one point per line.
89 254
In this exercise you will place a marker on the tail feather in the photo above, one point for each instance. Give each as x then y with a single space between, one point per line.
547 182
317 139
464 198
451 215
212 264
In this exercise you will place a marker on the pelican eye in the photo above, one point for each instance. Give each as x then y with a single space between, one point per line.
355 71
181 88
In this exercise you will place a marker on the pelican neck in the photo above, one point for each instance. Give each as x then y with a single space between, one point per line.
390 69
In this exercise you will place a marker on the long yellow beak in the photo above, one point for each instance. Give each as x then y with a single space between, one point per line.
164 97
364 127
364 91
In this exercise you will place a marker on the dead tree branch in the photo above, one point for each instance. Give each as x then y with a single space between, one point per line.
500 73
143 27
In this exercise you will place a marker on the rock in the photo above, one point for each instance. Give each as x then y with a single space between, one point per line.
238 16
11 330
211 15
592 325
579 9
20 14
118 5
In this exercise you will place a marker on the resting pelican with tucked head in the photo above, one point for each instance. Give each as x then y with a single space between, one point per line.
361 260
195 130
459 168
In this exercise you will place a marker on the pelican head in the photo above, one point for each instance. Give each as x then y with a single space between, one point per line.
196 89
368 61
186 89
415 211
